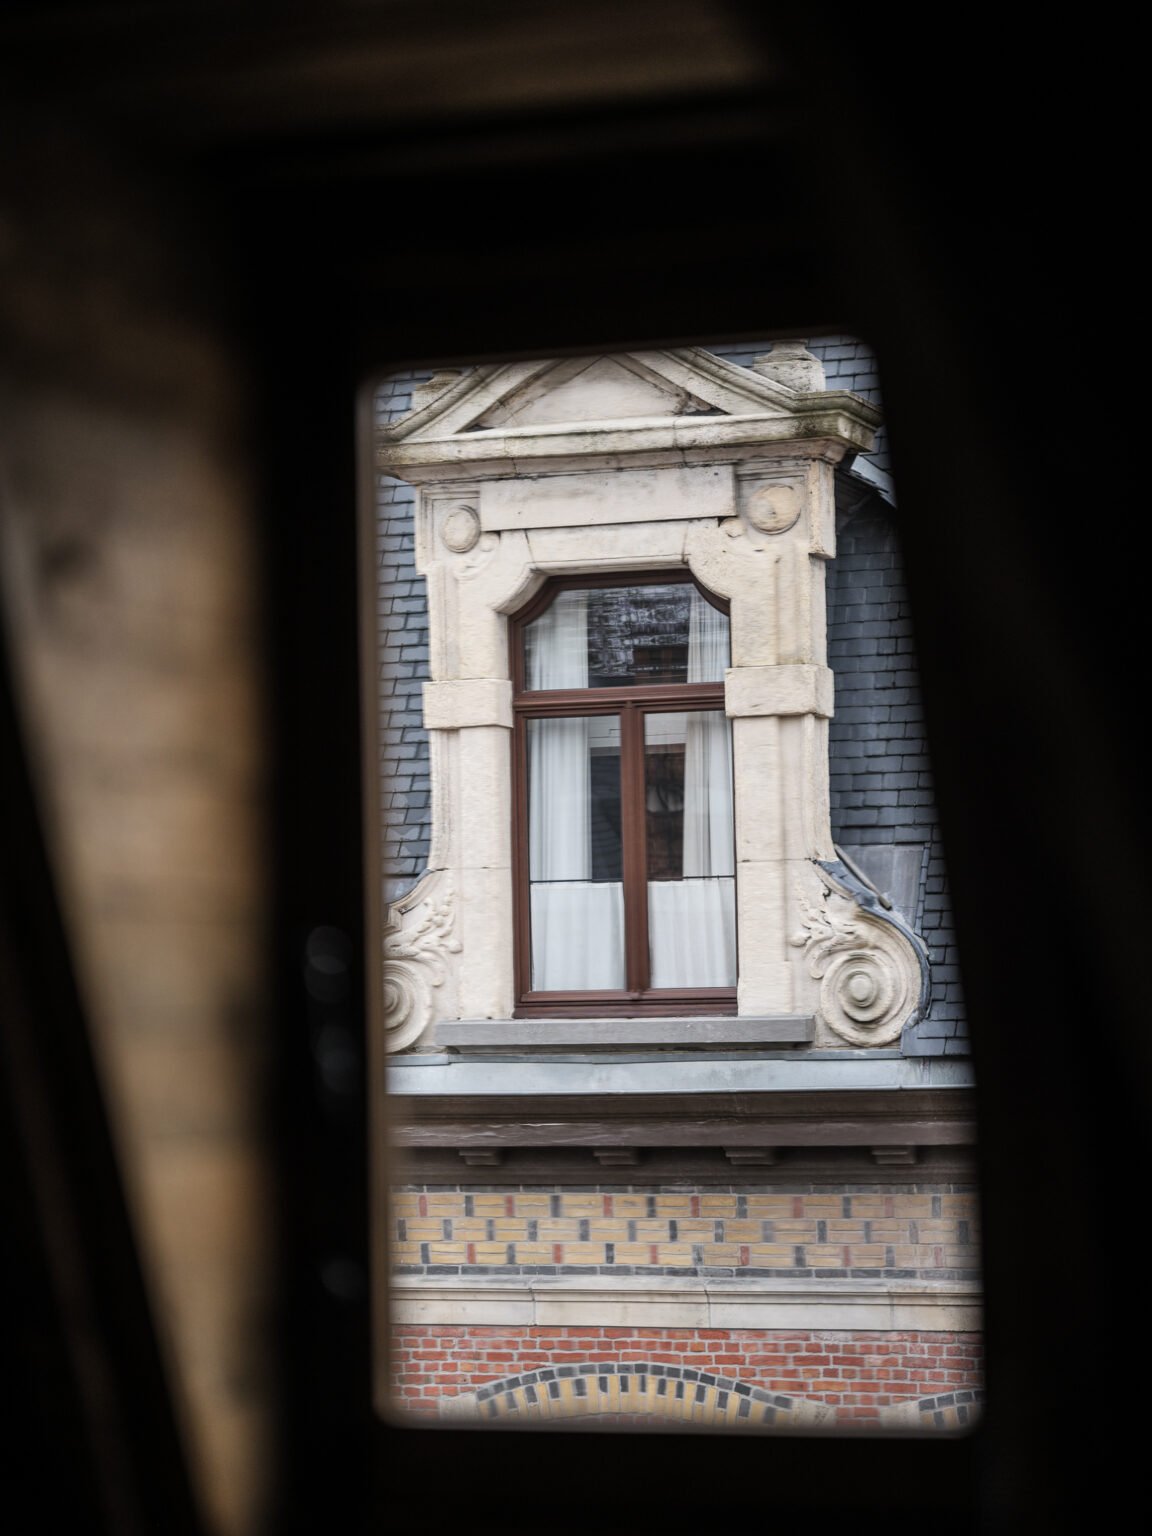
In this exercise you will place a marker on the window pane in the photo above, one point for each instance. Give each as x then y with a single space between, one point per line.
575 854
691 860
615 637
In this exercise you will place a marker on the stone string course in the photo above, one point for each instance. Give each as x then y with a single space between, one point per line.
862 1377
927 1234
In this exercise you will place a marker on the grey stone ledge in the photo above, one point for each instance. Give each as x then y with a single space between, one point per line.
622 1034
440 1074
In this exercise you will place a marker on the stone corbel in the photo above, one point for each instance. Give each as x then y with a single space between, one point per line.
419 937
871 967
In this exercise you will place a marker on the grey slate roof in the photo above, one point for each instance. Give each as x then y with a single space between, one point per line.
880 774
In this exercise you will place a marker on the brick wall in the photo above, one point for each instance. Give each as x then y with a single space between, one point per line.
927 1232
862 1376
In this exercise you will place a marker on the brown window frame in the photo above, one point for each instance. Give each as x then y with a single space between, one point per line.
630 704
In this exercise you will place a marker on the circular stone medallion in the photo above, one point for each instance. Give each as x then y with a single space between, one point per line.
772 508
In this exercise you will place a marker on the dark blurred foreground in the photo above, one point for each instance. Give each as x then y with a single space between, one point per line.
216 223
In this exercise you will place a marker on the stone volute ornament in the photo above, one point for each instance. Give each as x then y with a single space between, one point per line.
872 969
649 461
418 941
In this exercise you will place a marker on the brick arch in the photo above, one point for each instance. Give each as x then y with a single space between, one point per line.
612 1391
957 1410
951 1410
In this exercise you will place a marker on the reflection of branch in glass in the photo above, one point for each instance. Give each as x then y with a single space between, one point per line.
665 782
664 807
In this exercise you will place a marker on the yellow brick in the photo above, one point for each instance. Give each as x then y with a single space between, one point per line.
445 1205
695 1230
582 1205
633 1253
718 1205
404 1204
629 1206
487 1205
845 1231
608 1230
770 1256
556 1230
673 1205
866 1256
583 1253
534 1253
911 1205
795 1231
915 1256
824 1256
532 1205
653 1231
447 1253
823 1206
937 1231
673 1253
965 1207
491 1253
868 1205
508 1229
404 1253
889 1231
422 1230
720 1253
773 1206
469 1229
742 1231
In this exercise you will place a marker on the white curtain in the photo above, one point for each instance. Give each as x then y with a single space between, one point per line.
692 922
577 926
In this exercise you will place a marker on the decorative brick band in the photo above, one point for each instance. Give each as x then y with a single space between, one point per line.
889 1234
912 1378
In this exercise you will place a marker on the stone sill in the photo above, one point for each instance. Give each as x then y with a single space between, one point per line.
676 1074
713 1033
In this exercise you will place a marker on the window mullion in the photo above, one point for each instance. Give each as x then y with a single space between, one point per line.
635 853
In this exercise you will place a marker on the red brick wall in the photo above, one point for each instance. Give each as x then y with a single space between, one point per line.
859 1374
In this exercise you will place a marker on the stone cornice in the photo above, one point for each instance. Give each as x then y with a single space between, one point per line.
825 425
902 1118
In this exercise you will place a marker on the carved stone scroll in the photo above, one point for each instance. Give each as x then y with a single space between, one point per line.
872 970
418 939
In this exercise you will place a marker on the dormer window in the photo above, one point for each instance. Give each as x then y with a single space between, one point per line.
625 563
625 860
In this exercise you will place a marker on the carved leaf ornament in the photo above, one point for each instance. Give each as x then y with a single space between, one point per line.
414 966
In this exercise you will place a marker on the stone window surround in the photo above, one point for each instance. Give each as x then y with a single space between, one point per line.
746 504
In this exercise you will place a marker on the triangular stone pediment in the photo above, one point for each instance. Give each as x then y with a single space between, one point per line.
626 388
596 389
